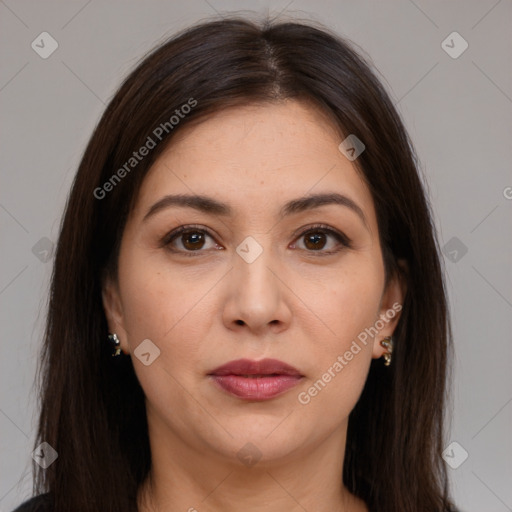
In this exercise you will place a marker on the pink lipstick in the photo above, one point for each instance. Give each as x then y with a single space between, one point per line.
256 380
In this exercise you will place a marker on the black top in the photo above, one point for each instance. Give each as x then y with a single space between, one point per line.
41 503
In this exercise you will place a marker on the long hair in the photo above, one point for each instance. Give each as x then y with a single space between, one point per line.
92 406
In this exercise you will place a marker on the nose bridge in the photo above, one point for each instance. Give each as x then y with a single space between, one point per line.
256 294
251 264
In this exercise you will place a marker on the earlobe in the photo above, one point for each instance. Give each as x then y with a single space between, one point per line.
390 312
112 306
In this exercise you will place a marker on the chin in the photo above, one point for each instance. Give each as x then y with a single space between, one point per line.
264 444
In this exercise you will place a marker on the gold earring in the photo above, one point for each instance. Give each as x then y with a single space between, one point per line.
387 343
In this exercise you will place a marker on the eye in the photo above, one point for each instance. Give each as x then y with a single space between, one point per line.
316 239
188 239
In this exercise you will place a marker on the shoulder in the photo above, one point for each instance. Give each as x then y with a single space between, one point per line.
41 503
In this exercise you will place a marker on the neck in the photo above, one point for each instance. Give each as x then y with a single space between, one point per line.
186 479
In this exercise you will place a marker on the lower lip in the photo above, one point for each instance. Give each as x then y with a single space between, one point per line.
258 388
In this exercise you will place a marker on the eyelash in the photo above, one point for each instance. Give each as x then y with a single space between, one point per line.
316 228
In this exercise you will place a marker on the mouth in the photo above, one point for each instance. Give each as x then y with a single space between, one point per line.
255 380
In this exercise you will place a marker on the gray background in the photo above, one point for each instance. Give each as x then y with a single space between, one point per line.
457 110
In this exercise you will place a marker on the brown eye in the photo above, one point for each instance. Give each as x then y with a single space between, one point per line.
188 239
323 240
315 240
193 240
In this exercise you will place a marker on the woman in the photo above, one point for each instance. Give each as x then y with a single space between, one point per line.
248 236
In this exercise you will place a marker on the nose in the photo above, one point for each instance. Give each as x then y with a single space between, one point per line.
257 296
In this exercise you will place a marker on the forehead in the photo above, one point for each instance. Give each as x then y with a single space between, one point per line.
256 158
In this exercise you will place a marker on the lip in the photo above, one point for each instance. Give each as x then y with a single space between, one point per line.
270 378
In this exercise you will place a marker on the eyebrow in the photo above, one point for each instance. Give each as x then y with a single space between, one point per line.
213 206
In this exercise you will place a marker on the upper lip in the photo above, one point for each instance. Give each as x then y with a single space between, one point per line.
262 367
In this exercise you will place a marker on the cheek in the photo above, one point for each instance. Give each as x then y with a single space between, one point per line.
348 306
170 308
335 390
157 297
159 306
348 303
342 358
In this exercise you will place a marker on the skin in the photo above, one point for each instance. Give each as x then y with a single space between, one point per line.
291 304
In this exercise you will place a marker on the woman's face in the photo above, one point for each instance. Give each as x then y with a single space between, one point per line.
254 277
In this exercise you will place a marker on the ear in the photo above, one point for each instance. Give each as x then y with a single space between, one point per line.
391 307
113 308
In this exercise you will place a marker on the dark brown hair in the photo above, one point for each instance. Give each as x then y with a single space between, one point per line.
92 407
